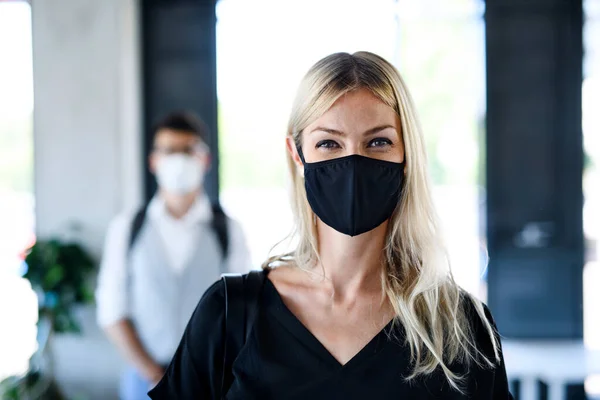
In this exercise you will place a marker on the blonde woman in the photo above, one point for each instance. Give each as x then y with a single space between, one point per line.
366 306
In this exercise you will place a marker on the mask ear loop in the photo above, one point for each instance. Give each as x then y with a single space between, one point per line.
299 150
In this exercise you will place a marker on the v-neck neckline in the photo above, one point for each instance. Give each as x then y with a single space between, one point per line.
307 338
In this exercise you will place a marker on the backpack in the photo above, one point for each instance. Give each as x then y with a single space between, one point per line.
242 293
218 225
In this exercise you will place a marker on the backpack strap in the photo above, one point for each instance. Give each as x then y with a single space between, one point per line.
136 225
219 226
242 293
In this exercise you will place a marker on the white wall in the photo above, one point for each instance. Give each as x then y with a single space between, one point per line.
87 148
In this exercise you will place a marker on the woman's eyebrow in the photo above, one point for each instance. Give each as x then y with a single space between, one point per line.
369 132
328 130
378 129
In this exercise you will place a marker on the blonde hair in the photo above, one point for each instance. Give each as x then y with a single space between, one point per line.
417 278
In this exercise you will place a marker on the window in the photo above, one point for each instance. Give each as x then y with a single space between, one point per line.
260 62
18 304
441 54
438 46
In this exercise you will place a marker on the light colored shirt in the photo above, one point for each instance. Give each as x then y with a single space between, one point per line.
179 238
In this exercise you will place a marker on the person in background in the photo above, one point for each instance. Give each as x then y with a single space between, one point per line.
158 262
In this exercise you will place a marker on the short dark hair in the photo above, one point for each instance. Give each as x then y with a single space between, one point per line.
183 121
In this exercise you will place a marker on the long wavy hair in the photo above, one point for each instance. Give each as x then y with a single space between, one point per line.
417 278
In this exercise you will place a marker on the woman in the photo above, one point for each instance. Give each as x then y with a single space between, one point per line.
366 306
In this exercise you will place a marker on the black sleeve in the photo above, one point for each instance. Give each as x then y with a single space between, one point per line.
500 390
501 386
196 368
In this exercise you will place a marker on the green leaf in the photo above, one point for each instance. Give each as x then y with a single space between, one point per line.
55 274
62 272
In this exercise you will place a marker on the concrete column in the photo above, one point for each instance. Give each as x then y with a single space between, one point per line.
87 139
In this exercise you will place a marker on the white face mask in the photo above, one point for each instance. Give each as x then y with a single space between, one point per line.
179 173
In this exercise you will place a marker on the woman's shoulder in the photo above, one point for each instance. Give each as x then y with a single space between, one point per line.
211 306
284 275
476 311
209 318
213 302
289 280
481 324
214 294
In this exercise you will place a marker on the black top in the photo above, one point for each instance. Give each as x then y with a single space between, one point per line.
283 360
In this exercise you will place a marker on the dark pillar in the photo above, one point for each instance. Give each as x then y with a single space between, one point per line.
179 70
534 167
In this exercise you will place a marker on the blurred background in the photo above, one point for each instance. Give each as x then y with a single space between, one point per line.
508 93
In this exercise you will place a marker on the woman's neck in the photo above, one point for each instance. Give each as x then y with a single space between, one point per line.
352 265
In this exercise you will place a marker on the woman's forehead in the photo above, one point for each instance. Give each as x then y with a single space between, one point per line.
357 110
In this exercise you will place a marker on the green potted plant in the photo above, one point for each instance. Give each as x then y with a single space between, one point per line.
60 274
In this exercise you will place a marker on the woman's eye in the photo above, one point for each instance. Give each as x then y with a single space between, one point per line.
380 142
327 144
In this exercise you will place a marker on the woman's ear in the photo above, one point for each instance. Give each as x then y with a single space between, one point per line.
291 148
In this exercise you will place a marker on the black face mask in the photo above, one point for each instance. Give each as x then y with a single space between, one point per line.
353 194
